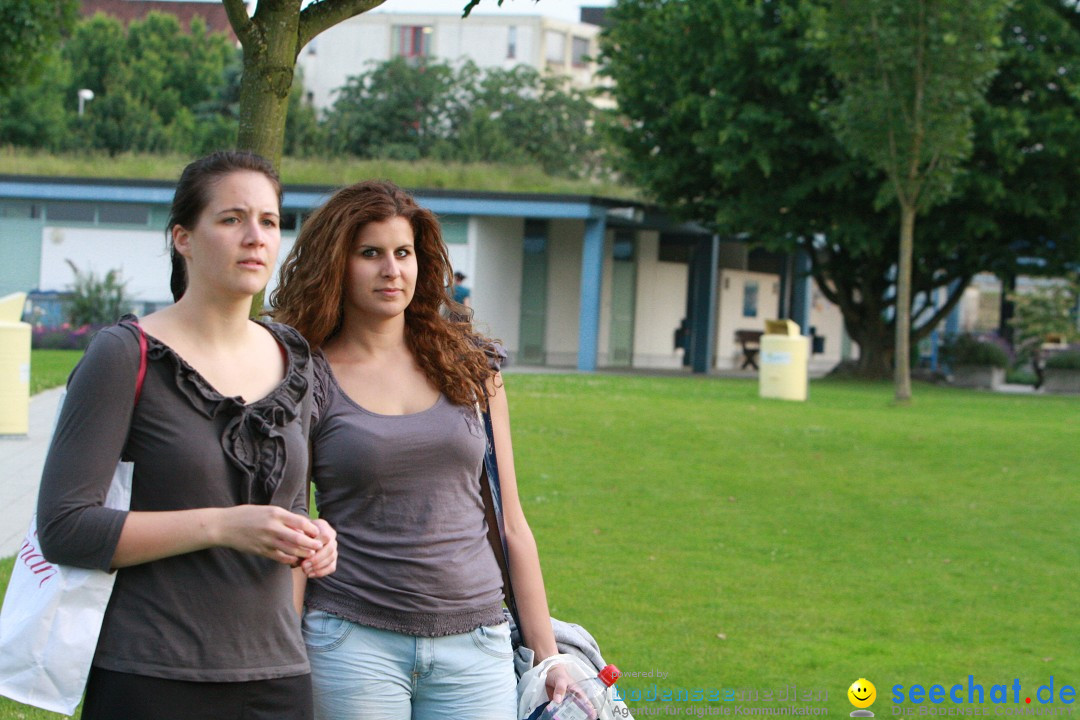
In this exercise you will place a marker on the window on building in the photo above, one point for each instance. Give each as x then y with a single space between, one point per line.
624 246
555 44
511 42
750 299
579 52
123 214
20 210
291 220
675 249
455 229
70 212
412 41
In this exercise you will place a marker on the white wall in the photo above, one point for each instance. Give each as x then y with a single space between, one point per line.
660 305
341 52
461 260
287 242
139 255
496 278
485 43
729 312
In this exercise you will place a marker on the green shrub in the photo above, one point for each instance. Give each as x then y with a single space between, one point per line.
97 301
970 350
1065 360
1021 376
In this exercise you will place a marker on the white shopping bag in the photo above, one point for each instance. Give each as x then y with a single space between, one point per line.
51 619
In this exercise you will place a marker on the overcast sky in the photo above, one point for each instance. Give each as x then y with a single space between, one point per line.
562 9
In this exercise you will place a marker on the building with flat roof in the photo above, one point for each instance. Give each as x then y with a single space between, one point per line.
562 280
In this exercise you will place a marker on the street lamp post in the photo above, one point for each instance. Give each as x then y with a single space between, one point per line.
85 96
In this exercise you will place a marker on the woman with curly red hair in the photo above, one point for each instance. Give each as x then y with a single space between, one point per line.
410 625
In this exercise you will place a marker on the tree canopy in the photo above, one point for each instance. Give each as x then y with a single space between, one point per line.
722 121
911 74
29 32
406 110
156 89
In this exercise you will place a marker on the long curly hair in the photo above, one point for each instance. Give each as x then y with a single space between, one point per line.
310 294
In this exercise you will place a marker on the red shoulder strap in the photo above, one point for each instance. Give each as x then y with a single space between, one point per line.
142 363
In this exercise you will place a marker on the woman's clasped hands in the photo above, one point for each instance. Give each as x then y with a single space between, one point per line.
282 536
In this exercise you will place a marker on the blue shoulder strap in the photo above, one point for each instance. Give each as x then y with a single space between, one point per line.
494 508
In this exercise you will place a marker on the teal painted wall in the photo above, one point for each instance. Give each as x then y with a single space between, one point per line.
20 254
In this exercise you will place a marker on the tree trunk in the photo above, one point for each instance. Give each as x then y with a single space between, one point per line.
264 88
902 362
259 99
269 61
872 335
875 359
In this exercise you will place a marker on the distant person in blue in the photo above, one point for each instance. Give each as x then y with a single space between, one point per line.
461 293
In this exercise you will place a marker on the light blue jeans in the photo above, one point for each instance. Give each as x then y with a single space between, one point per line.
362 673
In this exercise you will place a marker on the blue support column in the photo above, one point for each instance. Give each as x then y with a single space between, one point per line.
592 274
703 298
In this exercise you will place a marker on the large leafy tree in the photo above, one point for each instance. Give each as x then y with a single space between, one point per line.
156 88
38 115
32 74
408 110
396 109
153 83
29 32
912 73
722 122
520 115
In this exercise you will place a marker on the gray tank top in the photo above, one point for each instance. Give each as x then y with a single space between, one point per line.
403 493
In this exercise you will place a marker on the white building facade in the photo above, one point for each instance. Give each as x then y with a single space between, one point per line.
351 47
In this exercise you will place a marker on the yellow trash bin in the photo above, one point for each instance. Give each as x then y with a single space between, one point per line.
14 367
784 360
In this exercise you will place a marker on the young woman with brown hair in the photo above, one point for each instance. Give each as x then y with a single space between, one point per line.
202 622
410 626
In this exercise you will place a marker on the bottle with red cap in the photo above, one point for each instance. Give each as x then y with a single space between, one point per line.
585 699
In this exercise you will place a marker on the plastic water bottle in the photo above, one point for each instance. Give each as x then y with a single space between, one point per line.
584 699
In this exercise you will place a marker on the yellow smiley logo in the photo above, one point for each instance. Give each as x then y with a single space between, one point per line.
862 693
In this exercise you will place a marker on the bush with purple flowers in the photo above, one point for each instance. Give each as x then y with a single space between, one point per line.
63 337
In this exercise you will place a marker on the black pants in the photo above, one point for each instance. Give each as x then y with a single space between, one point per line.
124 696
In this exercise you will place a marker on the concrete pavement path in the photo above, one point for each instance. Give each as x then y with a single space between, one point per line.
21 460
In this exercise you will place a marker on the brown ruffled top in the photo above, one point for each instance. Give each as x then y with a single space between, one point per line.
252 439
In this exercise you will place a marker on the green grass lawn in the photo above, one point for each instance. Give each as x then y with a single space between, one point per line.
50 368
732 542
